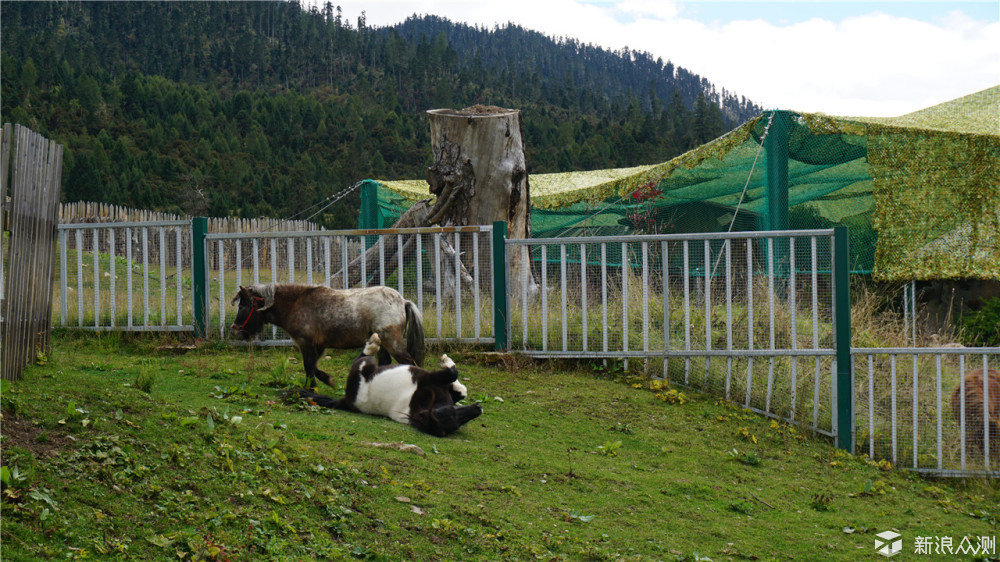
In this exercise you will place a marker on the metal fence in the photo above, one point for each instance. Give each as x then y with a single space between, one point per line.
446 271
756 317
134 276
745 315
913 409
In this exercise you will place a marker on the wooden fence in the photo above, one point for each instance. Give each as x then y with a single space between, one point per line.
33 166
89 212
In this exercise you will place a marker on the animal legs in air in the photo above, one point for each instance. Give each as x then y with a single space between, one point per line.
447 375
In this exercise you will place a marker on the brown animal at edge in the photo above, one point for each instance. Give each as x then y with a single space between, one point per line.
974 409
318 317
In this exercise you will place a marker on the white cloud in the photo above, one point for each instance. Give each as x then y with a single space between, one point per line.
654 8
871 64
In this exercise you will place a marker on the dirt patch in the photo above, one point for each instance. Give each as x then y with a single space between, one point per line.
16 431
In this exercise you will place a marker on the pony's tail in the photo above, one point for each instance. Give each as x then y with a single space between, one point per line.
414 333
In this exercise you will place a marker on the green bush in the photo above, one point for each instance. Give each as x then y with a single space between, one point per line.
982 327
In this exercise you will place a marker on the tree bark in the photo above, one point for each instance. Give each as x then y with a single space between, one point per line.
479 175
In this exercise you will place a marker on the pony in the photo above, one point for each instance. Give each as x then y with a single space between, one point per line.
319 317
975 408
425 400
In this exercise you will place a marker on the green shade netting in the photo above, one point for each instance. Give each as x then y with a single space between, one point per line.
920 193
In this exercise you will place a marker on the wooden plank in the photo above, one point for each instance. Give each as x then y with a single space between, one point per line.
48 231
4 219
35 174
13 315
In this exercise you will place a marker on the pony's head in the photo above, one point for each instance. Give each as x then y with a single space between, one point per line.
250 302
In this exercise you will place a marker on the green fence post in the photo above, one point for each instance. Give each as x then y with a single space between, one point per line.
776 145
368 217
776 217
844 385
500 305
199 276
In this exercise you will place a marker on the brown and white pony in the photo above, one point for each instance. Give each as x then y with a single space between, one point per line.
318 317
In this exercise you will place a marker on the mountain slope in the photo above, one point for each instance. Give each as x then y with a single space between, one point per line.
264 108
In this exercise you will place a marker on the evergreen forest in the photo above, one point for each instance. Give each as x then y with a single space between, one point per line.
267 108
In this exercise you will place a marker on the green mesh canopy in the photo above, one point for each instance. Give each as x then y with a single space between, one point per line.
919 193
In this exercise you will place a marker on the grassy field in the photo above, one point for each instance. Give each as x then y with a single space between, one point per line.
116 447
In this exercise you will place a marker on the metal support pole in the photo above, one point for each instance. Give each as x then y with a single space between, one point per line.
776 217
368 219
199 274
501 307
844 384
776 145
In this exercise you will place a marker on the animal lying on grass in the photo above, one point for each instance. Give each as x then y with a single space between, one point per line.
405 393
975 409
318 317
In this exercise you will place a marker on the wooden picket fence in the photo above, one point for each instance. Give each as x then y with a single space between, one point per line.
31 166
88 213
80 212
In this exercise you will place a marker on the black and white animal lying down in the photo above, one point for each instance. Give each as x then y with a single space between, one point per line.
408 394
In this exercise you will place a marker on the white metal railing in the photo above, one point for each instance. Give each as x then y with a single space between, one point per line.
748 315
739 313
125 276
906 402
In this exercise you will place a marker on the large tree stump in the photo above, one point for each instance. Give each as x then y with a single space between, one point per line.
479 175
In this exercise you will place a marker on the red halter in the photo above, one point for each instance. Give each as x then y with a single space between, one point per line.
253 308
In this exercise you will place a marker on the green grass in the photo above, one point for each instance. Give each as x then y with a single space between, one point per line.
114 449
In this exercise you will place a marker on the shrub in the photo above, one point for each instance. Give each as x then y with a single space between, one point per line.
982 327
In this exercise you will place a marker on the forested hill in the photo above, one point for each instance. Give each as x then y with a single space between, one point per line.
580 76
266 108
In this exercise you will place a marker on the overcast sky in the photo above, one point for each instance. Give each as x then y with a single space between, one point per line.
839 58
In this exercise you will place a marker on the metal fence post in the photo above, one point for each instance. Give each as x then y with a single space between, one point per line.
199 275
369 216
500 304
844 385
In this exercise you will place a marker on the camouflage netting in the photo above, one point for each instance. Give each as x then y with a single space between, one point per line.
919 193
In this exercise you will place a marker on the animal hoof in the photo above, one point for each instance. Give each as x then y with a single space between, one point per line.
373 345
446 362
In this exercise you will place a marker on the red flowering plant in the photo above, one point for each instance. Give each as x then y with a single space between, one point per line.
642 215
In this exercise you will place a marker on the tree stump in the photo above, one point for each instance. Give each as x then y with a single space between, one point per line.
479 175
